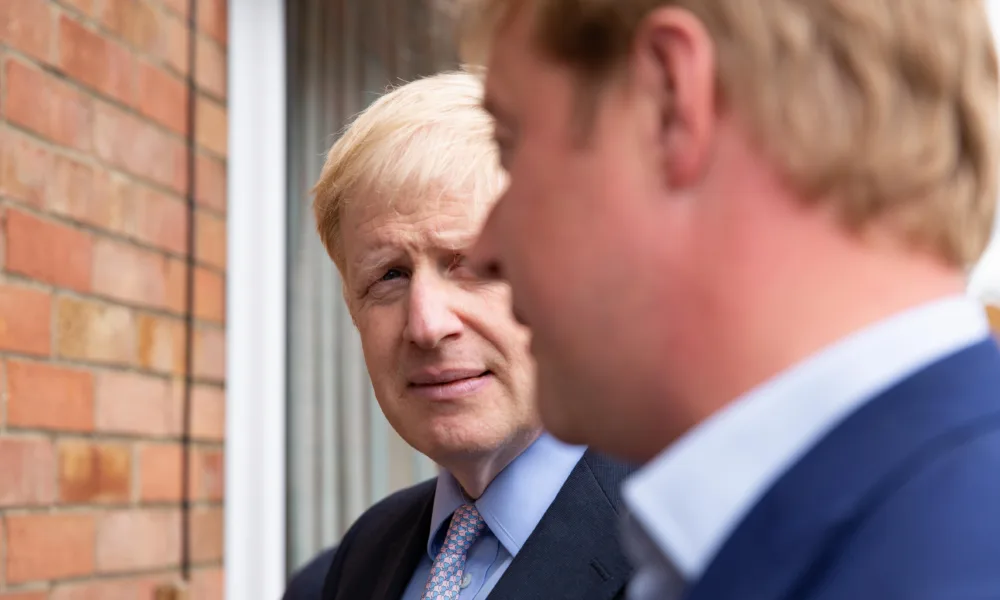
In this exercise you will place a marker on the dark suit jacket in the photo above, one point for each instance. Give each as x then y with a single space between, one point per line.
573 553
307 583
901 501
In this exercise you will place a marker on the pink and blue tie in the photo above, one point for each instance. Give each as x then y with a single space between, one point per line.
445 581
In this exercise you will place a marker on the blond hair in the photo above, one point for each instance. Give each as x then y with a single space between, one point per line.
887 109
429 136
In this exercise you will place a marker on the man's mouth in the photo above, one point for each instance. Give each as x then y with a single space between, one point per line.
448 384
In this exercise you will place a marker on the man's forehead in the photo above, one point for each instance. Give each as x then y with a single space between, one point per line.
385 245
442 220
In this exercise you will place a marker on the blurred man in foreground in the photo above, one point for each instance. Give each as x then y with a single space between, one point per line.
515 513
739 232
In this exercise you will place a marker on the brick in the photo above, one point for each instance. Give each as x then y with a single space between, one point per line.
162 97
177 282
210 246
115 199
209 295
134 275
210 68
130 540
114 589
210 353
97 62
161 220
25 168
208 413
24 596
206 534
135 21
95 332
40 102
49 546
26 25
91 472
212 19
208 478
47 251
181 8
84 6
161 344
27 471
161 468
207 584
210 183
210 126
175 43
139 148
3 395
89 195
135 404
25 320
42 396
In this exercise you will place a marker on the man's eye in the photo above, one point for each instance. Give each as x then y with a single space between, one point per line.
391 274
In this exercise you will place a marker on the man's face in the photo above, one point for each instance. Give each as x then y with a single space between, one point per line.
587 243
450 367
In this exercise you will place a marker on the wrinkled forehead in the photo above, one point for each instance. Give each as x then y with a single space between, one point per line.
411 219
433 206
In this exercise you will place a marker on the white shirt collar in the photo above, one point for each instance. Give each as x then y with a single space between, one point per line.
690 498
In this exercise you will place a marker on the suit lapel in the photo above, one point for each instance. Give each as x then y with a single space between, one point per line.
574 552
405 549
777 549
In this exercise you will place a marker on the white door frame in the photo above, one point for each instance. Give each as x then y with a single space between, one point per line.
255 306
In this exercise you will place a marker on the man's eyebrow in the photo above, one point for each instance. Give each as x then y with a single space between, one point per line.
374 260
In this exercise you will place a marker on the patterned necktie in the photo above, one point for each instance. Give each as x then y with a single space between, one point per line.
445 581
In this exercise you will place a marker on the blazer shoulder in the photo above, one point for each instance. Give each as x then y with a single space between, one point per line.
365 545
307 582
391 512
934 534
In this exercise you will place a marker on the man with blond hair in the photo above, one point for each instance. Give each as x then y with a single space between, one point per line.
514 513
739 231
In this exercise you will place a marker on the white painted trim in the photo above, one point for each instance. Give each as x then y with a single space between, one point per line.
256 284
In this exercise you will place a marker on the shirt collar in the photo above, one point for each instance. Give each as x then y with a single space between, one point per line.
517 498
690 498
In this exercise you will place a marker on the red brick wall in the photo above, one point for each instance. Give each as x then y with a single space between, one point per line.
93 272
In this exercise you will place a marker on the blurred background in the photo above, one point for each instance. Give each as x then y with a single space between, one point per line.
185 410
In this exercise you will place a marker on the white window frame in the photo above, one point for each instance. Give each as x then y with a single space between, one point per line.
255 305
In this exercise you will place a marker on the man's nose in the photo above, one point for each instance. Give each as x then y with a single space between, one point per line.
432 314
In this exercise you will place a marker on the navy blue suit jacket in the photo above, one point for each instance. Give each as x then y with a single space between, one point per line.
901 501
573 553
307 583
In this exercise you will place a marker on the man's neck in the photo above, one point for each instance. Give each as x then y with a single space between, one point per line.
475 472
791 308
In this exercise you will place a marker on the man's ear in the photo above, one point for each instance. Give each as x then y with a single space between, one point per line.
673 64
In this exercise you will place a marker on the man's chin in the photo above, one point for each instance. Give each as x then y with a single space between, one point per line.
450 449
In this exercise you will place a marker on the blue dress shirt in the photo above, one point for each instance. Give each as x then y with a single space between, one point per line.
512 506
